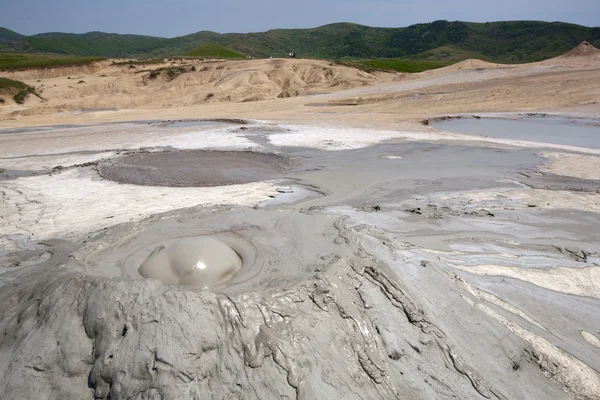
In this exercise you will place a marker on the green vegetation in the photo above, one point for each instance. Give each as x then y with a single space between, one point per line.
20 89
508 42
394 64
450 54
212 50
6 35
14 61
95 44
173 72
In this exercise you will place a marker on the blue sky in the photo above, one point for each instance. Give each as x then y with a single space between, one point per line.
169 18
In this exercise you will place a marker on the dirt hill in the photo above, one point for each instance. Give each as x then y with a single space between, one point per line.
584 55
189 82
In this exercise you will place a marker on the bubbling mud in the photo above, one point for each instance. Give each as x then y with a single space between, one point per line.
197 262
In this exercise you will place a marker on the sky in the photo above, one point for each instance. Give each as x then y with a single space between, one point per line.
170 18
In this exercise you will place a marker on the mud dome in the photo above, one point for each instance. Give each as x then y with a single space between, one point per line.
196 262
193 168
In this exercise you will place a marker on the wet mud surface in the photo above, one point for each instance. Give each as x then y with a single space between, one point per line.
420 270
193 168
572 132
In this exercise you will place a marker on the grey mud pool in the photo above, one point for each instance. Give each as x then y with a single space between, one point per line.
363 264
579 132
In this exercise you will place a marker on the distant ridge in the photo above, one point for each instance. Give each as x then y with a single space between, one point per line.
505 42
6 35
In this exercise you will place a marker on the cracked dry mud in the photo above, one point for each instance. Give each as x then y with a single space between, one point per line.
403 278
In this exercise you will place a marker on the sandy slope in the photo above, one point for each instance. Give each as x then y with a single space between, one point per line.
584 55
255 89
104 85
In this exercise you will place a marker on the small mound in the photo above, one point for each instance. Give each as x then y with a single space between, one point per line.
195 168
585 49
584 55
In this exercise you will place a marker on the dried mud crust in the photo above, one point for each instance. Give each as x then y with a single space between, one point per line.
307 323
193 168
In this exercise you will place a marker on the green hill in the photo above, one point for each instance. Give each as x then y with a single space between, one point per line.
6 35
212 50
511 42
95 44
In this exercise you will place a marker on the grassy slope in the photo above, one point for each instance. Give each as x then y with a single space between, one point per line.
213 50
394 64
517 41
20 89
449 54
526 41
404 65
95 44
14 61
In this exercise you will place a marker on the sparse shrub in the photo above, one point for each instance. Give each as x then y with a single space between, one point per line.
2 101
209 96
174 72
80 82
220 67
132 67
193 69
206 68
169 72
22 89
22 95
